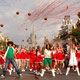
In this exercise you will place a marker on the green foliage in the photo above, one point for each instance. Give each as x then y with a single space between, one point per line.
76 34
2 45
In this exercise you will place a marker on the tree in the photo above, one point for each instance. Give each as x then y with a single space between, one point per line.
76 34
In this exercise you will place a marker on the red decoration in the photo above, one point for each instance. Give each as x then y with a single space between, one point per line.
17 13
22 40
45 18
2 25
29 14
26 29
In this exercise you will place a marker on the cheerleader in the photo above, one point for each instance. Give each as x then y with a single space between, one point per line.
2 62
60 58
54 53
18 61
47 59
32 59
78 56
28 58
73 59
23 58
39 61
42 51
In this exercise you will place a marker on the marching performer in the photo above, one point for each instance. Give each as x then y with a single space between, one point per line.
10 59
47 58
32 59
60 58
73 59
23 58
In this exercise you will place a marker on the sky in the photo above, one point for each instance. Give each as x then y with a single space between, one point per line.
54 10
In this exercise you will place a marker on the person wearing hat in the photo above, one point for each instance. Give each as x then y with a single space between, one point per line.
10 59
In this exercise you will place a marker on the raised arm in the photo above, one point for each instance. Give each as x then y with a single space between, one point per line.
45 43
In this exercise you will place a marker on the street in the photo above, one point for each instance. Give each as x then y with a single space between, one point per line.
48 76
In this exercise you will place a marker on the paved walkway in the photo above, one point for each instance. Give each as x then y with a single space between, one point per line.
48 76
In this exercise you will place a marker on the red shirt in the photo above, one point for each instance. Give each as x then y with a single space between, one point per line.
33 54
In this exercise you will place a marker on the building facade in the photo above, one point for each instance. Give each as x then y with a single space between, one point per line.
66 27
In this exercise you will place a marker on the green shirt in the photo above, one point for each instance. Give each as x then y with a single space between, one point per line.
10 53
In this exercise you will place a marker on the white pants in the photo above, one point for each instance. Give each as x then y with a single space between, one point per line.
18 61
27 63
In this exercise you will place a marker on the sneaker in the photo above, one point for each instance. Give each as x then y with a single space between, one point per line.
53 73
2 76
14 70
57 72
10 72
79 74
20 75
75 70
49 69
23 70
60 72
42 74
30 69
38 73
34 71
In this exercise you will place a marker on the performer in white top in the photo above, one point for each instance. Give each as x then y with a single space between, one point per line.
73 60
47 59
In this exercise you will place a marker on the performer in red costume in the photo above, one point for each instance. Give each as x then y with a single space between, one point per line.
18 60
78 57
39 60
32 59
23 58
1 59
28 58
60 58
54 54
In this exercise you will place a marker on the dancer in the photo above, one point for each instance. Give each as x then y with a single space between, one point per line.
28 58
10 59
78 57
18 60
23 58
60 58
39 61
54 54
47 59
32 59
73 59
2 61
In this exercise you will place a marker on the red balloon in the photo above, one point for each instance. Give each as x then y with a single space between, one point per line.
29 14
45 18
22 40
17 13
2 25
26 29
